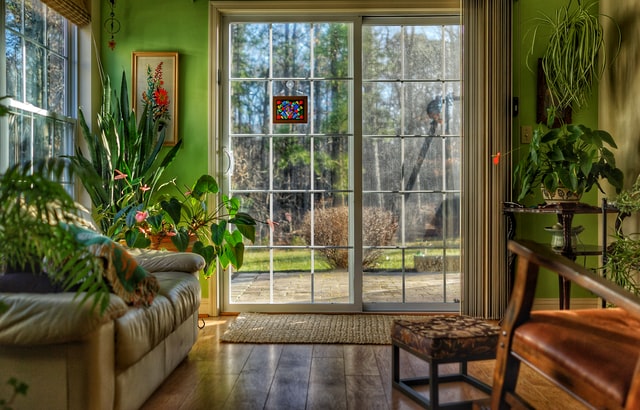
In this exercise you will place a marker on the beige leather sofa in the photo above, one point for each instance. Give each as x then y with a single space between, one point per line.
74 358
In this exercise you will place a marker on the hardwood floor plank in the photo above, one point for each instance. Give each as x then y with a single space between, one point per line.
360 360
366 392
291 380
327 388
253 384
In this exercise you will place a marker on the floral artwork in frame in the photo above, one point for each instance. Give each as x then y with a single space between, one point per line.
289 109
155 82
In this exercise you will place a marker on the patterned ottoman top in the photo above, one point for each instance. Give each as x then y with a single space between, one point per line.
447 337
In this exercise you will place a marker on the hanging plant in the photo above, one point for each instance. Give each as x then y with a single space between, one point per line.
575 58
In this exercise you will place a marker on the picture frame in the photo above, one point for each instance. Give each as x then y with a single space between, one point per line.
290 109
543 101
156 74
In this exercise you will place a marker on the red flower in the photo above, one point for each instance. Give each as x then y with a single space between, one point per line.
119 175
161 97
496 158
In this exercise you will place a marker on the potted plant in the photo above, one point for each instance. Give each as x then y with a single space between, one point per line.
186 219
35 209
127 158
571 158
574 59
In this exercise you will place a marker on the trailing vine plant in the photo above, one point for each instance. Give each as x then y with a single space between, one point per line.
575 58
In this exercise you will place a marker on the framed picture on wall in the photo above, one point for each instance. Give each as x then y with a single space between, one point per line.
155 82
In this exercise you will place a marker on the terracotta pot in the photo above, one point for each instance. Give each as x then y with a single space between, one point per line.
159 242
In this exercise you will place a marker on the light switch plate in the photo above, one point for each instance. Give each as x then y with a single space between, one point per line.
526 133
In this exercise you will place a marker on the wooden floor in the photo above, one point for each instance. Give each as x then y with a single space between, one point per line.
260 376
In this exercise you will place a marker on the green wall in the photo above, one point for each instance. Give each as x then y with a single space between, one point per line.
176 26
182 26
530 226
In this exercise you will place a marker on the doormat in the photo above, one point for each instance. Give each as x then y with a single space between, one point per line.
312 328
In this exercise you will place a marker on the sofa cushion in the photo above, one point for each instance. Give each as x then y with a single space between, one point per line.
38 319
127 279
183 291
141 329
164 261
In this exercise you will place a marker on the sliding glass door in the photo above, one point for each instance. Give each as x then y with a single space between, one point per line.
341 135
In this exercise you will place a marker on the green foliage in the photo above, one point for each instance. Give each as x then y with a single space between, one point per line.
4 110
623 262
126 158
572 156
19 388
186 215
628 201
623 254
34 210
331 228
574 58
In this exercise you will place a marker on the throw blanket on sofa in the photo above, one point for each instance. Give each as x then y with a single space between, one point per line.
127 279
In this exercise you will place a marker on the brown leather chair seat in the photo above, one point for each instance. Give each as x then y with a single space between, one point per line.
596 349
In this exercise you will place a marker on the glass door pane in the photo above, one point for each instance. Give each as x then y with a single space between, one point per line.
411 166
293 176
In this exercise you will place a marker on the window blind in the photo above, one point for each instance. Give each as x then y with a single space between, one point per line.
76 11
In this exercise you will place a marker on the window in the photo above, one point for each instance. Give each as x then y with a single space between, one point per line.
39 45
362 199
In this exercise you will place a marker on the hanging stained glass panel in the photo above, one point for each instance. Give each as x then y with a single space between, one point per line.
287 109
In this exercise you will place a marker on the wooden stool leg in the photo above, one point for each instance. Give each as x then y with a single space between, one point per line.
395 363
433 385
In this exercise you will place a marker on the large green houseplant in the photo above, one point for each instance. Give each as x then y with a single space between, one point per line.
126 157
571 156
35 209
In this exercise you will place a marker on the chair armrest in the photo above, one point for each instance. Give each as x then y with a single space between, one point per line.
533 255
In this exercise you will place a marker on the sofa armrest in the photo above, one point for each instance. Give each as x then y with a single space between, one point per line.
165 261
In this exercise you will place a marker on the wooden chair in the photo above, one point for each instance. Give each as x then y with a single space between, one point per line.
593 354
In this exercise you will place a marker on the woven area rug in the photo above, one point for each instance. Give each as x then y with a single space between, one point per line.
311 328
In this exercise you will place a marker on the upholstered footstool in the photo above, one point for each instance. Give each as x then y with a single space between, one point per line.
442 339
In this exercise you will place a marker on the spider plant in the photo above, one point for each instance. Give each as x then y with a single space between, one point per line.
574 58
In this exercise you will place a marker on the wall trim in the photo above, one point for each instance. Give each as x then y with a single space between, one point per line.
576 303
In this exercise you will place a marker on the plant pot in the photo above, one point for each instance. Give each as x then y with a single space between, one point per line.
560 195
159 242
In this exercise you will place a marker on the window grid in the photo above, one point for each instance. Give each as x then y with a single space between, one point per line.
38 45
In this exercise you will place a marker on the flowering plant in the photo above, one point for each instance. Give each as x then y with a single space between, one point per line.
186 218
124 161
156 96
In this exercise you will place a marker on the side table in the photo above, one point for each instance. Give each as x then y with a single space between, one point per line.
565 212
